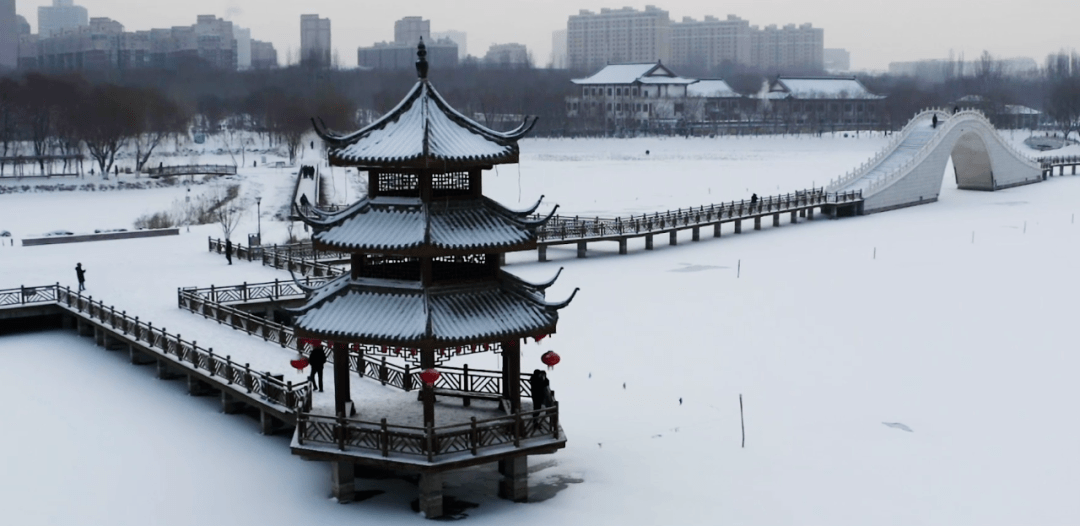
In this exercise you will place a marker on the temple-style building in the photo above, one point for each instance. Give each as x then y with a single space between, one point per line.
426 287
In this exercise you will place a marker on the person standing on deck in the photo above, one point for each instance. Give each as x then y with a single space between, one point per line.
80 273
317 360
753 199
934 125
228 250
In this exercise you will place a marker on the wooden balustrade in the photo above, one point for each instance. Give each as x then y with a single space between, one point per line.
432 442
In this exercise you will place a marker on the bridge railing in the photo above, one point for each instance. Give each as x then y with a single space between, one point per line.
563 228
432 442
192 169
304 260
889 149
28 296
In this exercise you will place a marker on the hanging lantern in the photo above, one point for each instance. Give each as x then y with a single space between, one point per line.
540 337
430 376
299 364
309 341
550 358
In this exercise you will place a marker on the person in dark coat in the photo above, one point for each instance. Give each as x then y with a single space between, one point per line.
935 122
541 389
81 274
317 360
228 250
753 199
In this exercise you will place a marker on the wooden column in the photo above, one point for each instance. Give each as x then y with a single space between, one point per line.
427 392
512 370
342 395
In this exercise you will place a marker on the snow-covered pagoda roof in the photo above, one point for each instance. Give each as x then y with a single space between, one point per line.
646 73
821 88
424 132
406 225
384 312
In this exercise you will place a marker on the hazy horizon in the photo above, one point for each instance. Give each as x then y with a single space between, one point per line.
874 34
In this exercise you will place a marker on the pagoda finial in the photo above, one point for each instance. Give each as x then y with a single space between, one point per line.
421 61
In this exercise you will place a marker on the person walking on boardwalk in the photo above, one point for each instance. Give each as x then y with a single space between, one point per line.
317 360
934 125
81 274
228 250
753 199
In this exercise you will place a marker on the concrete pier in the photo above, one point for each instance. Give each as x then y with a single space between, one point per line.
582 247
673 238
514 484
431 495
648 242
342 478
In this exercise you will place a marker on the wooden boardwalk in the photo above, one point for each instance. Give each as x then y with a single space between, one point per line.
582 231
1061 162
192 169
303 259
287 404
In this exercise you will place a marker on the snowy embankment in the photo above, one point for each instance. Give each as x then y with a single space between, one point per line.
830 329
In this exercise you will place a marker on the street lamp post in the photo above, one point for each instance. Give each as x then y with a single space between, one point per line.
258 213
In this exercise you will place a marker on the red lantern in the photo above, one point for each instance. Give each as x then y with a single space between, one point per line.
538 338
430 376
299 364
550 358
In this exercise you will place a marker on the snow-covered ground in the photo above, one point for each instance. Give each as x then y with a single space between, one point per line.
829 330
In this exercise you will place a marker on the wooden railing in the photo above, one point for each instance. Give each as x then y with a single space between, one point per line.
371 359
300 258
432 442
192 169
28 296
562 228
1047 164
293 397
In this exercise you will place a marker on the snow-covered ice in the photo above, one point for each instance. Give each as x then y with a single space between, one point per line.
830 330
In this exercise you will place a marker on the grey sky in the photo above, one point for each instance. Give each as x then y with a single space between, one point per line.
875 32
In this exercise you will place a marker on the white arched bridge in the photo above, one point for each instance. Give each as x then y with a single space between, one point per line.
910 170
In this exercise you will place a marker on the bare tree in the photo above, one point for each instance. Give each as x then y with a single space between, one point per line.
106 122
157 118
1063 105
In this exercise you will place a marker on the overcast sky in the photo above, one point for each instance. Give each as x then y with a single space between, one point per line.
875 32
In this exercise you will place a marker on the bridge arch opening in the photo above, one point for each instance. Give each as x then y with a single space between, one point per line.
971 163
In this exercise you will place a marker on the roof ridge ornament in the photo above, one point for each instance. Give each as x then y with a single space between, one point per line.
421 61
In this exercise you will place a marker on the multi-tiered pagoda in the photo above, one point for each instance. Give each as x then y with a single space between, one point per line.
426 285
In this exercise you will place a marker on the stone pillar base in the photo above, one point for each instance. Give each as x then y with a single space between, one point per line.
342 475
137 357
697 233
163 371
197 387
673 238
515 482
230 405
431 495
622 247
648 242
268 425
581 248
738 226
793 219
757 223
541 253
776 220
716 230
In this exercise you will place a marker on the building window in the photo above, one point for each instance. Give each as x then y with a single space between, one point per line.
678 107
609 92
635 92
847 107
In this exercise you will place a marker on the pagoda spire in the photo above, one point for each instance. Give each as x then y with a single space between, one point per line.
421 61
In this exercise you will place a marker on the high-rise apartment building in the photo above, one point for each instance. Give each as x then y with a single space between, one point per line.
9 35
243 47
617 35
103 44
558 49
789 47
458 37
507 56
411 29
315 41
263 55
62 15
401 53
710 43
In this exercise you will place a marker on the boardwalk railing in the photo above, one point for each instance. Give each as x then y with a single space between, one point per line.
301 258
192 169
572 229
430 443
210 303
260 385
1047 164
28 295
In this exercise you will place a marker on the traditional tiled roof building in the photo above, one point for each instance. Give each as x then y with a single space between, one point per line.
426 281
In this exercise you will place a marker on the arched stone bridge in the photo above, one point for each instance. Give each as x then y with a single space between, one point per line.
910 170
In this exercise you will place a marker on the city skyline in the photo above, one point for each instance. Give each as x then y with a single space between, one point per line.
910 33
